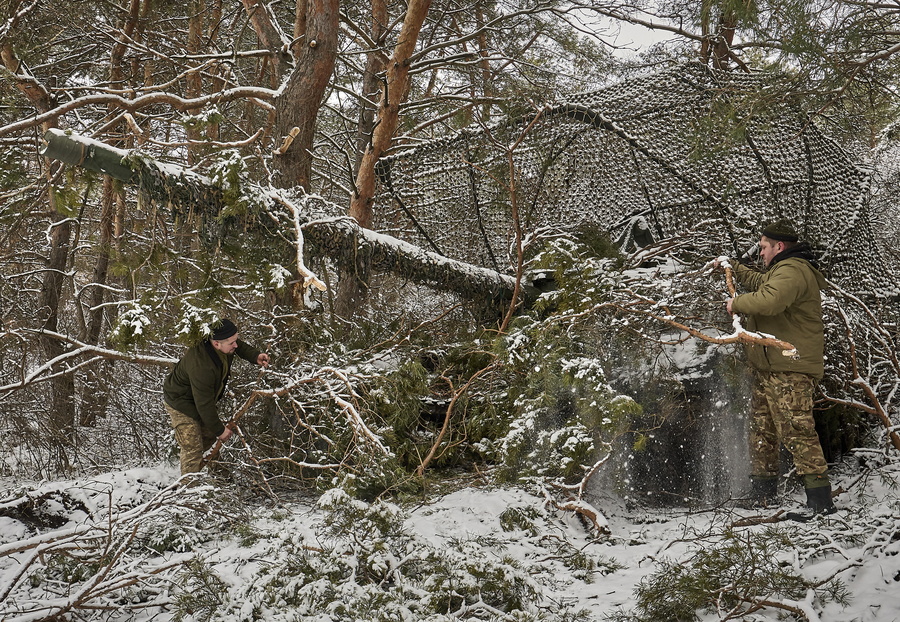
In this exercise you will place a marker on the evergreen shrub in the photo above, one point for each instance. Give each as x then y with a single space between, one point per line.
743 573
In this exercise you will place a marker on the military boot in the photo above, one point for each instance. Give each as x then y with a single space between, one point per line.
818 503
763 493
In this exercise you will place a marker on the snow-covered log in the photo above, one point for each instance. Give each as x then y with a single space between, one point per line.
162 182
341 239
344 240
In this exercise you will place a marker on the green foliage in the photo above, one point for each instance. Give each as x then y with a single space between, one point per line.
68 198
363 564
519 517
12 173
70 570
581 565
412 400
738 575
179 534
584 272
239 195
466 573
345 514
377 476
397 397
564 413
640 442
202 121
564 409
247 535
203 593
138 264
195 324
130 328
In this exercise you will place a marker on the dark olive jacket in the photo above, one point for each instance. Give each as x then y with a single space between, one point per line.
785 302
198 381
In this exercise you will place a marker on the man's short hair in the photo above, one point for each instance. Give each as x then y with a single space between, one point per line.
781 231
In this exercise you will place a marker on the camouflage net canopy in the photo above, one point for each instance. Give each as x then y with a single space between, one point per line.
684 152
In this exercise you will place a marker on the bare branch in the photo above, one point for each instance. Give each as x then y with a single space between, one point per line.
132 105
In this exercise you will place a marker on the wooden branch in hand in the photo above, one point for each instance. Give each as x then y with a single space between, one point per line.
742 336
729 281
213 451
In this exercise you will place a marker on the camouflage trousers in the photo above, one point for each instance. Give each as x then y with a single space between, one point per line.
781 414
192 439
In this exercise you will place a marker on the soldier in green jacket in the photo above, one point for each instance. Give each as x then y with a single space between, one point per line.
785 301
196 383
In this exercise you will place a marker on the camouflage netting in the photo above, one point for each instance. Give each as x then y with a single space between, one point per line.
688 151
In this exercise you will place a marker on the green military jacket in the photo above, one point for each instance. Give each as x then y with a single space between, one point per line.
198 381
784 302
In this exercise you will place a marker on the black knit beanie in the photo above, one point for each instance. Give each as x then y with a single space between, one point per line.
781 231
223 329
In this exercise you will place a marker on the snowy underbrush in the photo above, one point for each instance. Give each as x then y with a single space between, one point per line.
128 546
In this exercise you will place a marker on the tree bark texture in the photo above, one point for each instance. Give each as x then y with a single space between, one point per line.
298 104
353 283
62 408
93 400
394 91
194 79
269 34
357 249
351 247
375 61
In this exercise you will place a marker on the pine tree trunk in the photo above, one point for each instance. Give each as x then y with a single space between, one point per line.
93 396
375 60
298 105
352 286
194 80
396 89
62 408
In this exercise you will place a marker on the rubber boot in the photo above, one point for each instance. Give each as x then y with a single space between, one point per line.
763 493
819 500
818 503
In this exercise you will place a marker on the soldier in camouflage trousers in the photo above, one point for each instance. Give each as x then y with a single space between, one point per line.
781 413
196 383
785 301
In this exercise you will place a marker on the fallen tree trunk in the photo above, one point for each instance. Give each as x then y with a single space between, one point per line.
342 240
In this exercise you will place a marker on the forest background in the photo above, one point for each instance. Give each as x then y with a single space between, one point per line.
264 125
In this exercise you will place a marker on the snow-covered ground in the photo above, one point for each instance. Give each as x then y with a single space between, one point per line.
127 545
